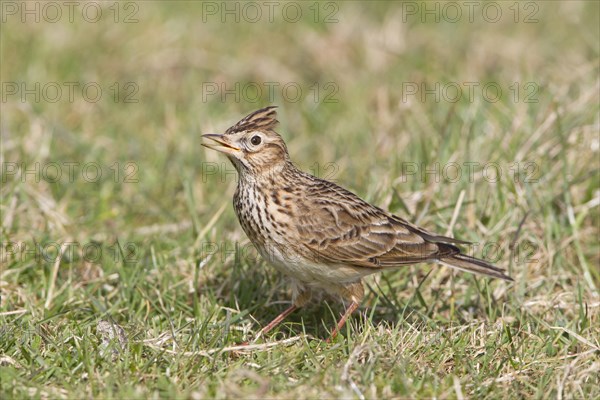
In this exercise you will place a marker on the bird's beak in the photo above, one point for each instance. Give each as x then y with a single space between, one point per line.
221 144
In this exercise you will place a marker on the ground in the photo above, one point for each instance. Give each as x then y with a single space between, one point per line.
124 273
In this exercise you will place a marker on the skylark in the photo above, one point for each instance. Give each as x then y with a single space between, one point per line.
319 234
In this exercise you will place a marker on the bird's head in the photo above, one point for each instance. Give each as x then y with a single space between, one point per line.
252 145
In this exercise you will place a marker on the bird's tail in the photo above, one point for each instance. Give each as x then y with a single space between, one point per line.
475 266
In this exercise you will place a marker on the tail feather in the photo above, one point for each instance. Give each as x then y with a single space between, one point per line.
474 265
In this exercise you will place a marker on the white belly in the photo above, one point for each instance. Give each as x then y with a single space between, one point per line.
310 273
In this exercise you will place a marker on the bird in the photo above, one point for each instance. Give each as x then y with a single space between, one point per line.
322 236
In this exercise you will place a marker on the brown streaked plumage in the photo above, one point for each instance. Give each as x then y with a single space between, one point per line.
316 232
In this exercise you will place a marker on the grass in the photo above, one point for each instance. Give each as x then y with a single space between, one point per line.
153 244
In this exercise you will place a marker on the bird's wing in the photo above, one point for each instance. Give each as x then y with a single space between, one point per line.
339 227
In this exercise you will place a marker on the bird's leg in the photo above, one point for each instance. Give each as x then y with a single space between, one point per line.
300 296
276 321
351 308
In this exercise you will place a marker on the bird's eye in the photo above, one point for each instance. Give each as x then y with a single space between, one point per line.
255 140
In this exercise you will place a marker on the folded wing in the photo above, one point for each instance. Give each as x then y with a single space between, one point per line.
342 228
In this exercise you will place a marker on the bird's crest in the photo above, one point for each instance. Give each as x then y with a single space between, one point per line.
264 119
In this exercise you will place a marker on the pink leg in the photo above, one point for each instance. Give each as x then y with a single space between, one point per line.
351 308
277 320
